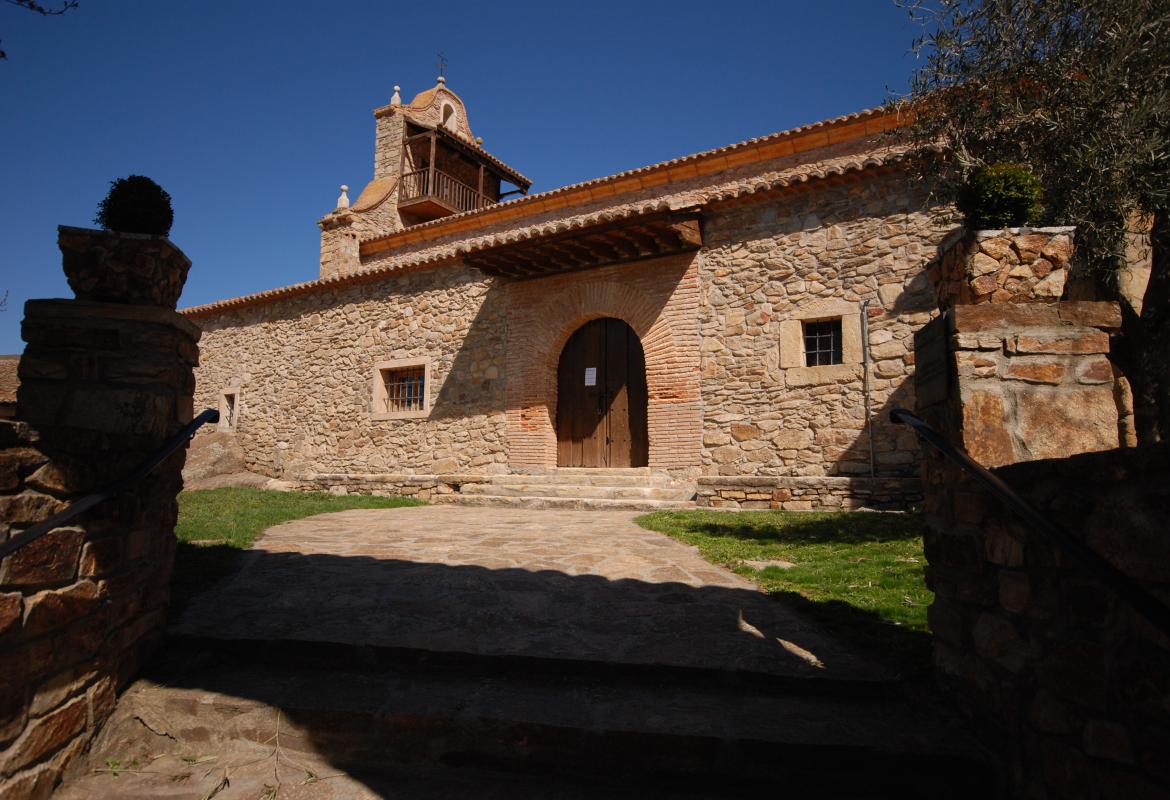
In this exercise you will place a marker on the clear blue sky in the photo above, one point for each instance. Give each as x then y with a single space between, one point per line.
252 113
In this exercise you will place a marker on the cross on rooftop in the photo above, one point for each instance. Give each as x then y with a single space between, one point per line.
441 64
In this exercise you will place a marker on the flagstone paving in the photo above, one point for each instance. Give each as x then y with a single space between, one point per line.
582 585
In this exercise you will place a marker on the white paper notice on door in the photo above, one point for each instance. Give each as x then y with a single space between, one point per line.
591 376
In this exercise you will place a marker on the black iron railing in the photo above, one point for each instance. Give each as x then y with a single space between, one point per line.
89 501
1125 587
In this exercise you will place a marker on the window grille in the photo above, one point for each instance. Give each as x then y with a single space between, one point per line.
230 397
822 343
405 389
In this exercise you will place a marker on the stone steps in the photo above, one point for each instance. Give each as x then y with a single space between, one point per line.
568 490
587 478
535 728
562 503
634 489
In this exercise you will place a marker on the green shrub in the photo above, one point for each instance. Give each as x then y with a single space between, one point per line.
136 204
1001 196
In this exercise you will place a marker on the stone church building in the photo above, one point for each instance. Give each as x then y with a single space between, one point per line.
729 327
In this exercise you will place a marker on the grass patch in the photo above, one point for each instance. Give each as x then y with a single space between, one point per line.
216 525
860 573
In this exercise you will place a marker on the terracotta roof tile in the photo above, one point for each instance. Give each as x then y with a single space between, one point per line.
375 193
864 116
767 182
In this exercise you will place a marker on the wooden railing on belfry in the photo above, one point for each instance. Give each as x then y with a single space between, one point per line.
436 184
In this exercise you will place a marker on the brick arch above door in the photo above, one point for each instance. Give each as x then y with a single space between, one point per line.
659 299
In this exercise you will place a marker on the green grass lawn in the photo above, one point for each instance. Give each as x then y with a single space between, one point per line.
216 525
860 573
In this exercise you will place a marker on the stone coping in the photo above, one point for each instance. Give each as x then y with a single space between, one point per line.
141 237
92 309
1104 314
809 480
992 233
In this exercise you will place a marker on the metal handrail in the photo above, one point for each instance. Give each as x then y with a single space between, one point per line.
89 501
1154 610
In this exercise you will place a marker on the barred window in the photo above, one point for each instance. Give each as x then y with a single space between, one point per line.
405 389
822 342
401 389
229 408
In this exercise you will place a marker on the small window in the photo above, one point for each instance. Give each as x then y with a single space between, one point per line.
448 112
229 409
401 389
822 343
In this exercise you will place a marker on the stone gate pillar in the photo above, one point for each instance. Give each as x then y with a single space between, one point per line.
103 384
1012 374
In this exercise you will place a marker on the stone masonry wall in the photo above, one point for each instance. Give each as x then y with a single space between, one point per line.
812 255
1067 684
1017 265
102 386
305 365
807 494
1022 381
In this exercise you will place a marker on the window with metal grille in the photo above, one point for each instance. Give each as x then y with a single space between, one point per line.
822 342
405 389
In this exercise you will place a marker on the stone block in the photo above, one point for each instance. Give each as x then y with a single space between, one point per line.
1107 740
46 735
50 559
10 613
985 435
57 608
1094 371
1049 714
1083 340
1091 313
997 316
1014 591
743 432
1057 425
1048 372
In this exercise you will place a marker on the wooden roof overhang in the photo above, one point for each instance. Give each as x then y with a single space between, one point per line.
475 153
630 239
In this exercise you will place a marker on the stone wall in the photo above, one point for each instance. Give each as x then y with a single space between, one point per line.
305 365
102 386
1022 381
807 494
728 391
1016 265
819 253
1063 680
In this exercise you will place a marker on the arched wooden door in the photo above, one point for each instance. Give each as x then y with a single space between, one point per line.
601 398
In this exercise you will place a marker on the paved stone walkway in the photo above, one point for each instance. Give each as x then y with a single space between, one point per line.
585 585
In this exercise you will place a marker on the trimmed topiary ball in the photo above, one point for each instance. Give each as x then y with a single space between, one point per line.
1001 196
136 204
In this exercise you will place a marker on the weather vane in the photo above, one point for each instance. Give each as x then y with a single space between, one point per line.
442 64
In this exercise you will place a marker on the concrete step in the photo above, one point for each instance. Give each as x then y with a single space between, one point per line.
543 732
573 503
577 491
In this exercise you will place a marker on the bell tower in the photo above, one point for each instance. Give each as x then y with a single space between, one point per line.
427 165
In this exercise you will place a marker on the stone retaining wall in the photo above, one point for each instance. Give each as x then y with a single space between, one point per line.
1065 682
102 386
808 494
